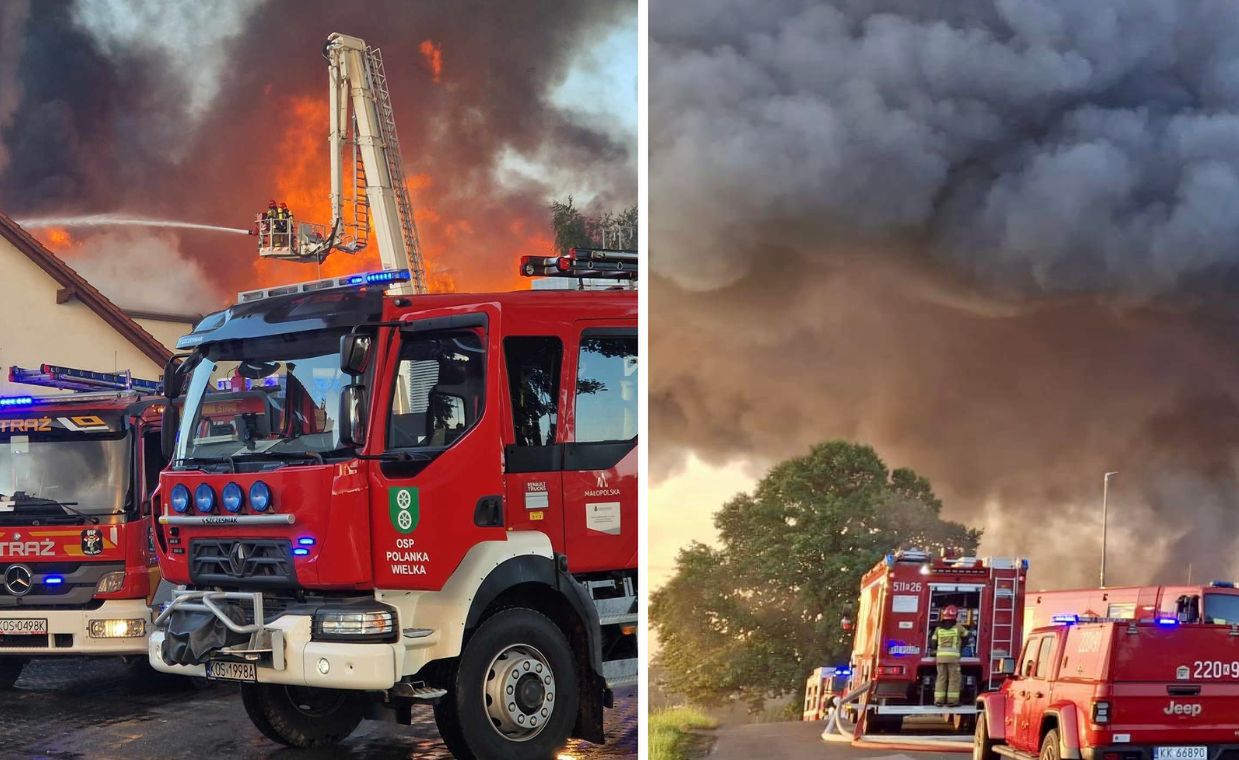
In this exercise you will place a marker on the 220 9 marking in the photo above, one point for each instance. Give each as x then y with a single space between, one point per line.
1215 669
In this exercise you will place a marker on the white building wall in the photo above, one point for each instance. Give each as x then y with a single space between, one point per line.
35 330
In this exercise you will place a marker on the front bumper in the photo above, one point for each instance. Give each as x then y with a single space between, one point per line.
68 630
1146 751
284 651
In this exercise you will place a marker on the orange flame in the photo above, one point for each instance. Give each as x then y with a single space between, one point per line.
433 54
55 239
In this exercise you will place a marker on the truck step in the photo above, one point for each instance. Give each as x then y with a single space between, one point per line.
417 692
625 617
1014 754
620 672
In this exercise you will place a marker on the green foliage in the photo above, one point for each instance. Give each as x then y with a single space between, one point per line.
668 737
748 621
573 229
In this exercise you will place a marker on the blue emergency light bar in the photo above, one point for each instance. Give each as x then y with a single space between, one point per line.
72 379
8 402
382 277
1066 618
1167 621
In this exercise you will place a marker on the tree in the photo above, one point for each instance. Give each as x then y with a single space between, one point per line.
573 229
748 621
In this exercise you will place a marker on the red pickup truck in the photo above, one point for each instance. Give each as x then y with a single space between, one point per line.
1117 690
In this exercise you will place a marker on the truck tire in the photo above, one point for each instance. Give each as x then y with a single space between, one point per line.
885 724
982 744
515 694
1049 745
10 671
300 716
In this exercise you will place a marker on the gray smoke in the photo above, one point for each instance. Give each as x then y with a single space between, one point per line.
996 240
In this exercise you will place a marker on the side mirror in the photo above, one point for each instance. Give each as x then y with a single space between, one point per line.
352 422
173 377
1006 666
167 430
355 353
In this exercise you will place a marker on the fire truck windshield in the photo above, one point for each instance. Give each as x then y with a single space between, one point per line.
264 398
1222 608
38 472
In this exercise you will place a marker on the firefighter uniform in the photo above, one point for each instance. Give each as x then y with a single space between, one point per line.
949 642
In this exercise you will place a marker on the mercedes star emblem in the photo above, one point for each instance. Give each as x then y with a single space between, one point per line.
19 580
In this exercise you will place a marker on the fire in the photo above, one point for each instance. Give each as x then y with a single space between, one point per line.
56 239
433 54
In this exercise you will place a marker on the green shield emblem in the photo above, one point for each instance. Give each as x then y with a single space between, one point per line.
404 508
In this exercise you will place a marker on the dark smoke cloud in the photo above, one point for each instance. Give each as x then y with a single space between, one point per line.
996 240
178 110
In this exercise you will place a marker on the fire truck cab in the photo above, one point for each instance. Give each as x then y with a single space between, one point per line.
824 685
901 600
431 501
77 472
1215 602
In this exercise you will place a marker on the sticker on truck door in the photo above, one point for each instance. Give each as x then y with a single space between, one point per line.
404 508
603 517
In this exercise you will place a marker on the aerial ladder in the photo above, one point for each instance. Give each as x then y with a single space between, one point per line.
368 187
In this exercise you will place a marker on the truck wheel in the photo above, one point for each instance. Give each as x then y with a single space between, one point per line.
1049 745
885 724
515 693
298 716
10 671
982 745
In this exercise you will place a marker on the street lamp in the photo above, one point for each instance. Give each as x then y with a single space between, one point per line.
1105 498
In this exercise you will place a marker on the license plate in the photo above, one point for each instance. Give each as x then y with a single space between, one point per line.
23 626
1181 753
219 670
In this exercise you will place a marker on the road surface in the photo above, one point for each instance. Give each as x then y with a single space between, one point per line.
793 741
82 709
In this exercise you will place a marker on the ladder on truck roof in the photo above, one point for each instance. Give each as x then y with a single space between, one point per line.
1002 626
591 267
71 379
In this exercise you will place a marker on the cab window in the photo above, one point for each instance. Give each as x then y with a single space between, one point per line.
1028 660
533 381
439 389
606 387
1044 657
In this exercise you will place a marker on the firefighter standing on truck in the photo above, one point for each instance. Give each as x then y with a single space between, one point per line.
948 640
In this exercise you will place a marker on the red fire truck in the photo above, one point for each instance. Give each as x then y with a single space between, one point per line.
433 502
901 598
824 685
1216 602
1147 689
76 476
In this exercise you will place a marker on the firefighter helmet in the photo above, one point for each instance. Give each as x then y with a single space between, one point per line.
951 612
271 204
284 206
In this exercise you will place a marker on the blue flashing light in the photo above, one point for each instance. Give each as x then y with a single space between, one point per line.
14 401
306 541
1167 621
179 498
1213 584
204 497
233 497
1066 618
301 551
53 580
260 496
387 276
357 279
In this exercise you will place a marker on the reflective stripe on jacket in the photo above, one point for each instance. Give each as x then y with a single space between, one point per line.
949 642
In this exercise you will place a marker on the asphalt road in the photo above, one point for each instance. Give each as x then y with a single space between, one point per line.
792 741
66 709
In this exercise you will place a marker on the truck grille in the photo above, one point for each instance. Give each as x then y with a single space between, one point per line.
242 562
77 589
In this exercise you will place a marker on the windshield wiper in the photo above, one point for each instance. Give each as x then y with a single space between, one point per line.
68 506
232 464
283 456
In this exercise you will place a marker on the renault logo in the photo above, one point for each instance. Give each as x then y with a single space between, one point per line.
18 580
236 558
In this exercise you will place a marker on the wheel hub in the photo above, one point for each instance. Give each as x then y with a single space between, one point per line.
519 692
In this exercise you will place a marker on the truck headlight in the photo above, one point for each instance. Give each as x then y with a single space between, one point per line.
116 629
362 624
111 583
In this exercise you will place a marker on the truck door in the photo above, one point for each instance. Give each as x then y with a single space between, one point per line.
600 457
438 403
1017 694
533 456
1035 692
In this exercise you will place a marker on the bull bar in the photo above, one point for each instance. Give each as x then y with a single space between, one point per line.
262 639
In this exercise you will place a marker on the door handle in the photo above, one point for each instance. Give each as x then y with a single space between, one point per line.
1039 695
489 512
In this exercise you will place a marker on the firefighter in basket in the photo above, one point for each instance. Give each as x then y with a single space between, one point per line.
948 641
